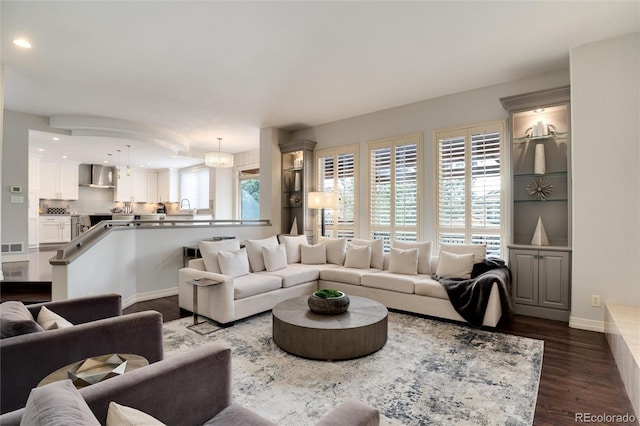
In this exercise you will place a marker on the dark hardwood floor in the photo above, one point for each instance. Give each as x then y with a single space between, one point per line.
579 374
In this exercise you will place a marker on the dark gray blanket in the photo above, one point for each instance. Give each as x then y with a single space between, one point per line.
470 297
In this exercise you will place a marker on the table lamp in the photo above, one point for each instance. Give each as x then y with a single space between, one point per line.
323 200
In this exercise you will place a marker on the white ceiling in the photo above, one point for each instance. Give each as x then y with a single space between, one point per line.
208 69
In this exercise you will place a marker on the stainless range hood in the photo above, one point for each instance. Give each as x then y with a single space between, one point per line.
96 176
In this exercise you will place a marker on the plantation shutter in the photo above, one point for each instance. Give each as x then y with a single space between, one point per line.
336 172
394 189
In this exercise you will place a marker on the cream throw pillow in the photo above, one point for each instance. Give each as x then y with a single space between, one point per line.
50 320
293 243
234 263
455 265
121 415
313 255
210 249
377 251
403 261
424 254
335 249
479 251
358 257
275 258
254 251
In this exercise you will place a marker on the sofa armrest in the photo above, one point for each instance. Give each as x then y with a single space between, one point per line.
351 413
219 298
189 388
83 309
28 358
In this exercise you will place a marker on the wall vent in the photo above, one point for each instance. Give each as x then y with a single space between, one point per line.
13 248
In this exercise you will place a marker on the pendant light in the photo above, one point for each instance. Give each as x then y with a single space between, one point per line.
128 160
118 165
219 158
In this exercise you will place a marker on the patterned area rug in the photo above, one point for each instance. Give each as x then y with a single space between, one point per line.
429 372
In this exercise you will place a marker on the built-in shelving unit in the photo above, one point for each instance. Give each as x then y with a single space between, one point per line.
297 177
540 249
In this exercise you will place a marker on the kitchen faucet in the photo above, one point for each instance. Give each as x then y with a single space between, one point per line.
188 203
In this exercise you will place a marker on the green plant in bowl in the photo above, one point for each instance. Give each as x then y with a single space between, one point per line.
328 293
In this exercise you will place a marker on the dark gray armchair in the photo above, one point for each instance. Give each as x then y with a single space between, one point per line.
99 328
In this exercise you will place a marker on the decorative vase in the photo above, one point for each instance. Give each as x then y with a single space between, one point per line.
540 235
297 184
330 305
294 227
539 165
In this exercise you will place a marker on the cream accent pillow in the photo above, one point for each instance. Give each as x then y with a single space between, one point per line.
358 257
424 254
50 320
313 255
209 251
454 265
121 415
234 263
254 251
479 251
293 243
275 258
403 261
335 249
377 251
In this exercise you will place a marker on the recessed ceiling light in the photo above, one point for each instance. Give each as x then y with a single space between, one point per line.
174 156
41 149
64 156
105 161
20 42
148 164
142 165
539 110
56 139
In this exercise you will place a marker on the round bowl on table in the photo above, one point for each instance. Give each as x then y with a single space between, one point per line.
330 305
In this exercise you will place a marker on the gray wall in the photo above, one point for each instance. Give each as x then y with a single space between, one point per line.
606 191
425 117
15 171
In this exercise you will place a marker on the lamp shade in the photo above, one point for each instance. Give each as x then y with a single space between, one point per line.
218 159
322 200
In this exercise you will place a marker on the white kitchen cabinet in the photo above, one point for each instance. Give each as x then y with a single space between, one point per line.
168 186
58 180
139 187
152 187
123 186
55 229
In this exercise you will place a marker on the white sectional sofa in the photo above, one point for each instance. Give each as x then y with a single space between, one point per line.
256 278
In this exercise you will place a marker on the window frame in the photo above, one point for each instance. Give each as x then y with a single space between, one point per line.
393 229
238 192
469 230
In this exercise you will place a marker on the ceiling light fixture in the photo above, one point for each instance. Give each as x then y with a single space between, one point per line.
118 166
20 42
219 158
538 110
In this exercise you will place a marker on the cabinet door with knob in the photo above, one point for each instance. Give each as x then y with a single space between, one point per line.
541 282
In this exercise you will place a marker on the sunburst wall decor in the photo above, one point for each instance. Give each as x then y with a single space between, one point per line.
539 189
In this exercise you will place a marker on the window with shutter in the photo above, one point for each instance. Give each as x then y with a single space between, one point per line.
395 189
249 193
336 172
470 195
194 186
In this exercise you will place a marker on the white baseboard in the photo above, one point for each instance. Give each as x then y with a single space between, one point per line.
586 324
22 257
150 295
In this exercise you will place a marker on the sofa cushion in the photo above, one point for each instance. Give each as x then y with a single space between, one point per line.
336 248
15 319
121 415
455 265
57 404
254 251
294 275
252 284
479 251
50 320
377 251
345 275
431 288
424 254
292 244
358 257
234 263
313 255
274 257
386 280
403 261
236 415
209 251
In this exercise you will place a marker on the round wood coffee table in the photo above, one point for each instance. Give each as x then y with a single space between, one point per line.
360 331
